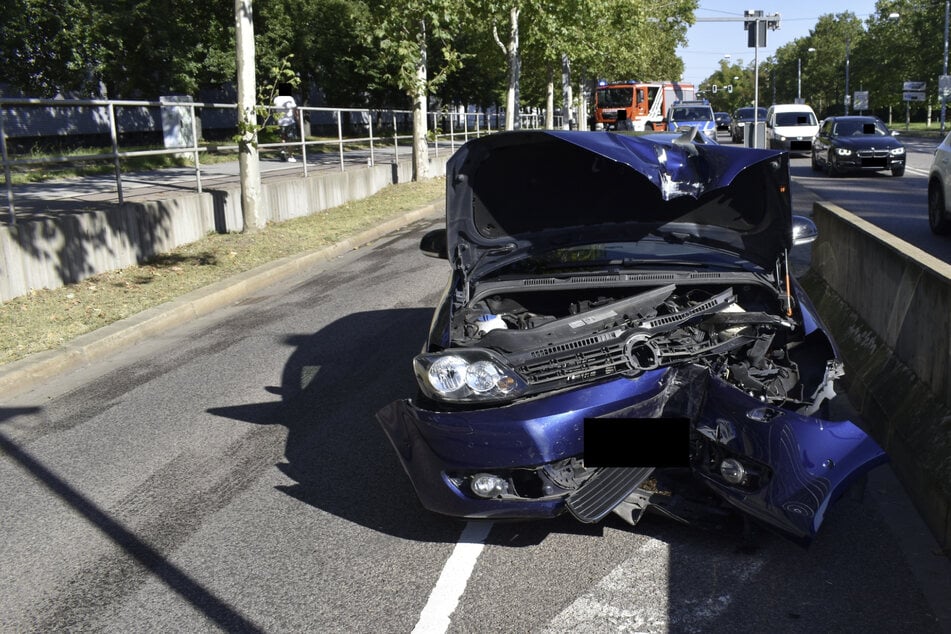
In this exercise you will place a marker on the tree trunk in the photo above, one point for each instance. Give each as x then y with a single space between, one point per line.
420 114
249 168
565 92
550 100
511 95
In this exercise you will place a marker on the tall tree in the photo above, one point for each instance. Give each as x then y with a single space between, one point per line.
48 46
405 31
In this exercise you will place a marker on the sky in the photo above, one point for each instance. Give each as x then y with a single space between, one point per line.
709 42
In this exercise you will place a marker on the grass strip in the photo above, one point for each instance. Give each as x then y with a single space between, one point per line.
49 318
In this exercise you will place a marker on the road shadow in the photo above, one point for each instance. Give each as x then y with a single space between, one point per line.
213 607
337 455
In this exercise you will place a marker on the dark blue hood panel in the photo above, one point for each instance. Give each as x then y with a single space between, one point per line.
524 192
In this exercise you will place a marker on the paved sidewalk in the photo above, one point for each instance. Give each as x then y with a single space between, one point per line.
99 191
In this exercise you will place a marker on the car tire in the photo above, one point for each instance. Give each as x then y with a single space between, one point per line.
830 166
898 171
815 164
937 213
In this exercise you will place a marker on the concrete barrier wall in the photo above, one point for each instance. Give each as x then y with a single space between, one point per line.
888 305
66 248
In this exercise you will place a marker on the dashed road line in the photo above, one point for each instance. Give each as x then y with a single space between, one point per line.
437 614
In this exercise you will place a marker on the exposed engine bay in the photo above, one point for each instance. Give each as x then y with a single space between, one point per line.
739 332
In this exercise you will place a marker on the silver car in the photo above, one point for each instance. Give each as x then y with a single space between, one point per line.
939 189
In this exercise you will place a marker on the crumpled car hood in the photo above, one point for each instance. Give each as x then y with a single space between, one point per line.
515 194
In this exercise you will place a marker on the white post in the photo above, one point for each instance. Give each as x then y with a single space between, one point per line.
247 118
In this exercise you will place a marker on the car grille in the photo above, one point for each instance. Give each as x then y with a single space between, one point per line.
873 158
583 360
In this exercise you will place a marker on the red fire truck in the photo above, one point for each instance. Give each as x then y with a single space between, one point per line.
636 105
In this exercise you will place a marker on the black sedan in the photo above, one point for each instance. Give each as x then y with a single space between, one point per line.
723 120
856 143
741 118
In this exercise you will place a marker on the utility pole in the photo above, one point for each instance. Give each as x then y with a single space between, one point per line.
756 23
943 99
848 98
248 165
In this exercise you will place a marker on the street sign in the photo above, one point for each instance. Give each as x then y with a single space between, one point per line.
861 100
913 96
914 86
944 86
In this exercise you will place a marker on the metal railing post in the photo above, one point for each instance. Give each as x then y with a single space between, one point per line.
115 149
6 169
370 119
195 148
340 136
452 130
396 141
303 141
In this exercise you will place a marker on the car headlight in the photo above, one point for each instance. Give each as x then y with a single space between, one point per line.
466 376
843 151
898 151
781 137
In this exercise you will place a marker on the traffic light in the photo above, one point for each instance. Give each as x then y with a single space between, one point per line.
756 23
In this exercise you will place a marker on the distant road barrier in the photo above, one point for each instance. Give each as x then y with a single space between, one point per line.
184 123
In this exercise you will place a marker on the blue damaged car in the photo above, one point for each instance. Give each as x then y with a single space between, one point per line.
620 333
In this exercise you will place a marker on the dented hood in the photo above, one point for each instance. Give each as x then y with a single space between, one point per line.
517 194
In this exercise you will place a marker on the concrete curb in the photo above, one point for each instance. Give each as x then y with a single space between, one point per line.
20 376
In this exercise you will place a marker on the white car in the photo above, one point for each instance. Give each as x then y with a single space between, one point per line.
939 189
791 127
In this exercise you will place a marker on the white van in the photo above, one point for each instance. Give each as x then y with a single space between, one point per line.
791 126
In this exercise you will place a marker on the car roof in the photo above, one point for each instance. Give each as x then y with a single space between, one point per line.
791 107
852 117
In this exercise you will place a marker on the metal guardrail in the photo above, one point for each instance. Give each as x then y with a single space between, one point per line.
447 127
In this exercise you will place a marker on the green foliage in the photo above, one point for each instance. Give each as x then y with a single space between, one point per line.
281 75
370 52
901 41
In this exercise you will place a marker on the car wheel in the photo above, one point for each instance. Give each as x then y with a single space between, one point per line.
830 166
898 171
937 214
815 164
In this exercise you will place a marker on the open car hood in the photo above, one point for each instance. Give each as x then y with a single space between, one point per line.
517 194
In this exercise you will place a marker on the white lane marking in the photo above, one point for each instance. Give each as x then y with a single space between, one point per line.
636 595
452 581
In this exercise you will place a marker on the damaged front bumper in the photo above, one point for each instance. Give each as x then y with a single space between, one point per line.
526 460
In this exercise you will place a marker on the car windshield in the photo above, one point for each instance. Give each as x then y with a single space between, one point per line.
868 127
615 97
795 118
747 113
692 114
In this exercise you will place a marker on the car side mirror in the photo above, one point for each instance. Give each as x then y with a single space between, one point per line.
804 230
433 244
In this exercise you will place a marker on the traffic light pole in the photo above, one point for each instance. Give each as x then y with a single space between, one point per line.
756 23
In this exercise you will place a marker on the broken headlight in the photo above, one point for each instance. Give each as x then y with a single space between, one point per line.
466 376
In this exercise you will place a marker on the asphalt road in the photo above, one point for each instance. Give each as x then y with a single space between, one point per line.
229 475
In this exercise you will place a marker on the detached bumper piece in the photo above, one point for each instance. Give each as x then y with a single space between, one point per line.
603 491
